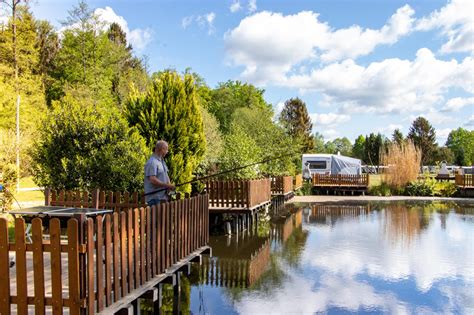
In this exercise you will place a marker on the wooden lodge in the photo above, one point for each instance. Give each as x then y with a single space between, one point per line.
465 184
340 183
101 265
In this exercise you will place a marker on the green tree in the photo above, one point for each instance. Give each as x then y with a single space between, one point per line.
318 140
374 143
83 146
343 146
461 143
397 137
297 123
423 136
441 154
230 96
271 139
358 149
169 111
239 150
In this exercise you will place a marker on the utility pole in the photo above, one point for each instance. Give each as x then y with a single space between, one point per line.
13 7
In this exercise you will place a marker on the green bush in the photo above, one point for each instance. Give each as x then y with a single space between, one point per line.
84 146
8 177
381 190
306 190
430 187
446 189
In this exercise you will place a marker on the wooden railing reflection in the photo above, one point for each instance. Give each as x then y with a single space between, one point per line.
234 272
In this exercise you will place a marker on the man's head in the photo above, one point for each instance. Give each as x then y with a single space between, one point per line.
161 148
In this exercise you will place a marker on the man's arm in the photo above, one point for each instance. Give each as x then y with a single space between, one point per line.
155 181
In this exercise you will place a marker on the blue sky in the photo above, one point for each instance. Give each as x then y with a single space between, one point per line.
361 66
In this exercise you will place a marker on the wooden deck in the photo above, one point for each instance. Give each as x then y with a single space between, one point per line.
341 183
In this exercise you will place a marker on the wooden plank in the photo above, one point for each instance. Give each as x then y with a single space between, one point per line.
123 253
21 272
148 244
90 266
136 258
131 282
154 241
99 260
142 246
116 259
73 266
108 260
38 265
4 269
56 280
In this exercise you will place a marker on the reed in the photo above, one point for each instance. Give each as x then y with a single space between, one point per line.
403 161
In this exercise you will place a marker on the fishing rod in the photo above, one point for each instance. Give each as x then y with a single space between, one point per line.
221 173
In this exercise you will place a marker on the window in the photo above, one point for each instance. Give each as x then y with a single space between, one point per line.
317 165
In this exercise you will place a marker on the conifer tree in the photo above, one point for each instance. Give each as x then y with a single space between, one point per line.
169 111
295 119
423 136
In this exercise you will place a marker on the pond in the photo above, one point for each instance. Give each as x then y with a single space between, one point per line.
396 257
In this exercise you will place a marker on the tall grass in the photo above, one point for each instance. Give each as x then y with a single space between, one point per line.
403 161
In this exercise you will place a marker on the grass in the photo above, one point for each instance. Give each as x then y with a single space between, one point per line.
34 195
375 179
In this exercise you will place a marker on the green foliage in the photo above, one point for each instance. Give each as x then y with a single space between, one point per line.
397 137
8 177
230 96
169 111
271 139
214 140
441 154
423 136
381 190
82 146
431 187
461 143
318 140
295 120
342 145
239 150
358 149
306 190
373 146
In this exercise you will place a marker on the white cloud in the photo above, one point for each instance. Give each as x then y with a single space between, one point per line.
278 108
329 134
442 134
138 38
205 21
252 7
329 119
389 86
455 104
270 45
388 130
456 21
235 6
470 122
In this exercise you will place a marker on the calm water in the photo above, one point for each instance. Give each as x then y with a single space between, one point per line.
372 258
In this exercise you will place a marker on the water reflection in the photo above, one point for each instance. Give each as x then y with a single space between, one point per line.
363 258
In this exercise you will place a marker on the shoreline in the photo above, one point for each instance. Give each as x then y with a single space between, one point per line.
320 198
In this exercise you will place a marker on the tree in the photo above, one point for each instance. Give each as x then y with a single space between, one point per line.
169 111
271 139
397 137
297 123
83 146
358 149
461 143
343 146
318 140
239 150
373 146
423 136
441 154
230 96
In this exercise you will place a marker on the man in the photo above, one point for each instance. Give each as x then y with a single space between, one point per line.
156 175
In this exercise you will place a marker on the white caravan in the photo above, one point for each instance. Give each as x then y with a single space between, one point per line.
330 164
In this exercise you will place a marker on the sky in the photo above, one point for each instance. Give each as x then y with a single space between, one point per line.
360 66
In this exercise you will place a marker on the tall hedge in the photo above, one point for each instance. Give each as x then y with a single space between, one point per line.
84 146
169 111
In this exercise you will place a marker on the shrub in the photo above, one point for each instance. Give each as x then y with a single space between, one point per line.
8 177
403 161
381 190
446 189
84 146
425 187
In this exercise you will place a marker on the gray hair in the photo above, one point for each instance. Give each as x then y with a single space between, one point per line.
160 144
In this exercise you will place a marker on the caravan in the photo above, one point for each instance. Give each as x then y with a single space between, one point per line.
330 164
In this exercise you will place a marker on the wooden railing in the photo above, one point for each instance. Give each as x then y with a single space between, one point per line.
282 185
298 181
108 257
341 180
238 193
96 199
466 180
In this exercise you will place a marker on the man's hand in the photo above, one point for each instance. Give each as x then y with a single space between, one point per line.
171 187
